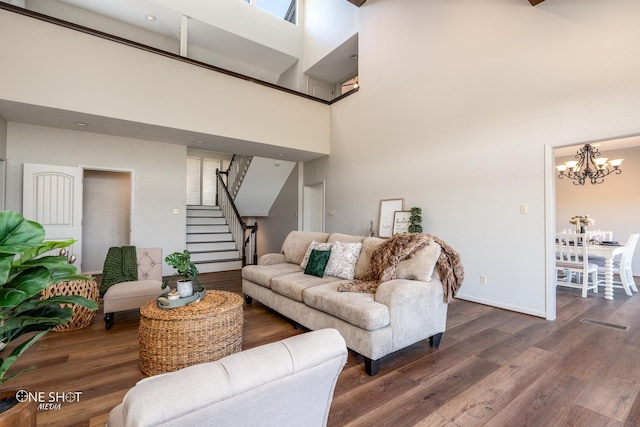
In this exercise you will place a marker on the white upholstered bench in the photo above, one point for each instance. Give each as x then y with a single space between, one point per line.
131 295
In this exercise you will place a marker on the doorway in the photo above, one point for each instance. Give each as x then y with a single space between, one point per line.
106 215
313 207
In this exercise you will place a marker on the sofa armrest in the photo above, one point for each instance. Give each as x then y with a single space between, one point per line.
416 309
271 259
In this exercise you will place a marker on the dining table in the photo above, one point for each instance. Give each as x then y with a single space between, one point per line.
608 251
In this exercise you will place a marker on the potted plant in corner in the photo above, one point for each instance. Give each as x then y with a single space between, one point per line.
25 271
186 269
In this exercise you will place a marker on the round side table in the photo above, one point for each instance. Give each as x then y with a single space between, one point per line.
172 339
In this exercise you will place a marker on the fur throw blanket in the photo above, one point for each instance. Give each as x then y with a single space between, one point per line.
385 259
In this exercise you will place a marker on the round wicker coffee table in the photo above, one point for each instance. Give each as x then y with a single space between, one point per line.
172 339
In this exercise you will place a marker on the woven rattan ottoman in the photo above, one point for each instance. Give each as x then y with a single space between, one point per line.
172 339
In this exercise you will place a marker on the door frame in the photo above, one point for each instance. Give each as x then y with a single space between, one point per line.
131 172
311 192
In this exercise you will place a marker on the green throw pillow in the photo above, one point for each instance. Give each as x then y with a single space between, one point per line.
317 262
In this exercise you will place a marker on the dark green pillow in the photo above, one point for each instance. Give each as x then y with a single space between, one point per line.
317 262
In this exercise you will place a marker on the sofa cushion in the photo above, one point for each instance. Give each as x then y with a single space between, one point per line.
343 259
292 285
297 242
344 238
369 244
421 265
314 245
262 274
356 308
317 262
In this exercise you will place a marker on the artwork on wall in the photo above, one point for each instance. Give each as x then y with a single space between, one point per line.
401 221
388 208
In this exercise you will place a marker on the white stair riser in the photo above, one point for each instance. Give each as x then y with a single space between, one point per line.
213 237
209 220
223 228
219 266
210 246
217 255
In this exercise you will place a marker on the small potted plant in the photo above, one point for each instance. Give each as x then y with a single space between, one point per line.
186 269
25 271
415 220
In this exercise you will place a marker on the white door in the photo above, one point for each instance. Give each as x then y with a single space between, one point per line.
52 196
320 89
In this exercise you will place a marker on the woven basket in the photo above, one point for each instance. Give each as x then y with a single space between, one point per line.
82 317
172 339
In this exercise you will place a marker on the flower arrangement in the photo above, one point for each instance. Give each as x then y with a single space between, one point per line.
582 220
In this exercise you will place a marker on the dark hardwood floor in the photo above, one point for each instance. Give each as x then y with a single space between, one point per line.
493 367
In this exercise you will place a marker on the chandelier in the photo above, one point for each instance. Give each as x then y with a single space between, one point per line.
589 166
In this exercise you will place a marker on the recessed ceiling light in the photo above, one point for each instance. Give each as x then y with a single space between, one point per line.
150 17
199 141
81 124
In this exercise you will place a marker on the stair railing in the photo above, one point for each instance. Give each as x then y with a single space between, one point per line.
244 235
236 172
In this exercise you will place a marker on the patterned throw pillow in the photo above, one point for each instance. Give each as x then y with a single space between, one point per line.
317 262
343 259
314 245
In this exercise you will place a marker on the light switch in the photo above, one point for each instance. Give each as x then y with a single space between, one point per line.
524 209
176 211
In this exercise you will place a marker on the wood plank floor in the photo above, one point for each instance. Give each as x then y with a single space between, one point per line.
493 367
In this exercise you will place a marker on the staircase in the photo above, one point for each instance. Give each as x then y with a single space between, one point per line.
209 240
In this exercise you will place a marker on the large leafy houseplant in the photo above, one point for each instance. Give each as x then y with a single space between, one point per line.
25 271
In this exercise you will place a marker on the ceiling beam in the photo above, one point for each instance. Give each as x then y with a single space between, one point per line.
535 2
361 2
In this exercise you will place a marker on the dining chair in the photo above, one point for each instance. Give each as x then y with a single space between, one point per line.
622 266
572 260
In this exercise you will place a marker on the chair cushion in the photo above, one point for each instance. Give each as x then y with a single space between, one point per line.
359 309
134 288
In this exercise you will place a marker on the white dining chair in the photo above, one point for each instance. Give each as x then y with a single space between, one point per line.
622 266
572 260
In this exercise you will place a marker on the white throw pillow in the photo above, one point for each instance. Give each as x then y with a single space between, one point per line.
314 245
343 259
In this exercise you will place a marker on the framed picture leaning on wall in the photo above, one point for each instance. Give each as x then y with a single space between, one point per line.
388 208
401 222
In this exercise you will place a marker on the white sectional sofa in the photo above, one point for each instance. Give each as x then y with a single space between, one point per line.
402 311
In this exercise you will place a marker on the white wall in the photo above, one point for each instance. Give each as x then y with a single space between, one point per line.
327 24
457 102
159 175
614 204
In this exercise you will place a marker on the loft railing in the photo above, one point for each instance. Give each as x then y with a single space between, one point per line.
244 235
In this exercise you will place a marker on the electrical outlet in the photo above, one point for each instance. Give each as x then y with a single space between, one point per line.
483 279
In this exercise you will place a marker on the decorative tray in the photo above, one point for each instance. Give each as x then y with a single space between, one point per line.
164 302
610 243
